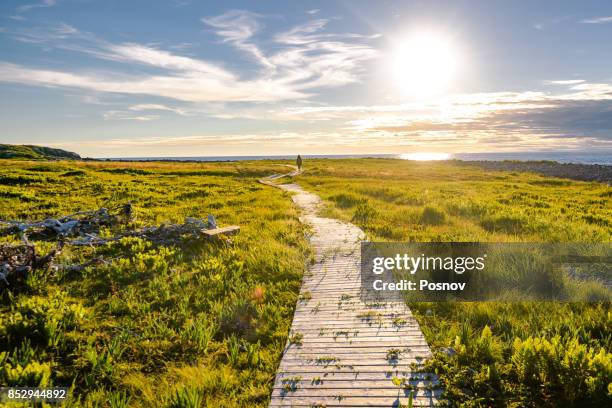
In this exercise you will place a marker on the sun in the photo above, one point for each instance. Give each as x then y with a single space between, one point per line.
423 64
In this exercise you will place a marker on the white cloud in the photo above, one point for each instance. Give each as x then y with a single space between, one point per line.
66 29
285 138
267 143
157 107
532 119
590 91
131 52
237 27
565 82
314 59
303 33
541 25
42 4
189 86
121 115
597 20
305 60
49 35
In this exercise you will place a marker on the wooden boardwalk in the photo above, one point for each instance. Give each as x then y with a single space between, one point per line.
344 351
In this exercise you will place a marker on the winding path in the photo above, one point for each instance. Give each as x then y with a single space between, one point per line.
344 351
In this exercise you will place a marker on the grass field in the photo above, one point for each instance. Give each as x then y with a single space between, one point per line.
500 354
165 326
205 324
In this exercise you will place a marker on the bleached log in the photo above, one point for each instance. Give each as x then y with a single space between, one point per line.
18 260
84 226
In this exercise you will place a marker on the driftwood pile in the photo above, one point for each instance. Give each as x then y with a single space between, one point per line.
83 229
80 223
17 261
164 234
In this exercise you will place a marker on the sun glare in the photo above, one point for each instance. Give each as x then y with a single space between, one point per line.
425 156
423 64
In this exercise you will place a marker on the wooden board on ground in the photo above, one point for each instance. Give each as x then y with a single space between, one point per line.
344 351
231 230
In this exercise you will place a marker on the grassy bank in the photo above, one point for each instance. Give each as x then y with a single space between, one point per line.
206 323
500 354
154 326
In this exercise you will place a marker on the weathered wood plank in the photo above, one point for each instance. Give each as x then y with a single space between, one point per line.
422 399
345 335
230 230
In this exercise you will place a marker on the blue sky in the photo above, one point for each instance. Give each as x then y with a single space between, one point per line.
186 78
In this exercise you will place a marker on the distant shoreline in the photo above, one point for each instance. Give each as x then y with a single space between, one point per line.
575 171
600 158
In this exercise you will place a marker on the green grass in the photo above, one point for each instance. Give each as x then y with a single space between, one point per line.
30 152
205 324
488 354
202 323
443 201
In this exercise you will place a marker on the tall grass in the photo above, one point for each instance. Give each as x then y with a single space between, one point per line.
201 323
528 354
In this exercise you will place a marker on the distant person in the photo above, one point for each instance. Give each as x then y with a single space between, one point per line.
299 162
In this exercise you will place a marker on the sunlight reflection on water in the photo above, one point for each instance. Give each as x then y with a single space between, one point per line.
425 156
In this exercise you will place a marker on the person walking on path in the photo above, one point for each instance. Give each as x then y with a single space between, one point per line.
298 161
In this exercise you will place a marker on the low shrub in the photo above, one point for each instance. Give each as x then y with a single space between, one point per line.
239 317
187 397
20 180
433 216
73 173
347 200
33 374
508 223
364 213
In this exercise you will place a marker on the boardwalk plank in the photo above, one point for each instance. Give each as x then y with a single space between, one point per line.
342 359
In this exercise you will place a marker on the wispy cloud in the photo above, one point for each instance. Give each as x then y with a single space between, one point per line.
349 141
122 115
56 35
542 25
190 86
237 27
581 114
44 3
597 20
200 140
303 61
564 82
157 107
212 144
292 68
315 59
303 33
65 29
142 54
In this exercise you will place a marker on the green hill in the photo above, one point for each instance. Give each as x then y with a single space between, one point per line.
30 152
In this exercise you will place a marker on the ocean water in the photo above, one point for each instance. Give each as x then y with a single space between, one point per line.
561 157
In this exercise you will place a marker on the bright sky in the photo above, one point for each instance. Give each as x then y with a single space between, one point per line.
132 78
